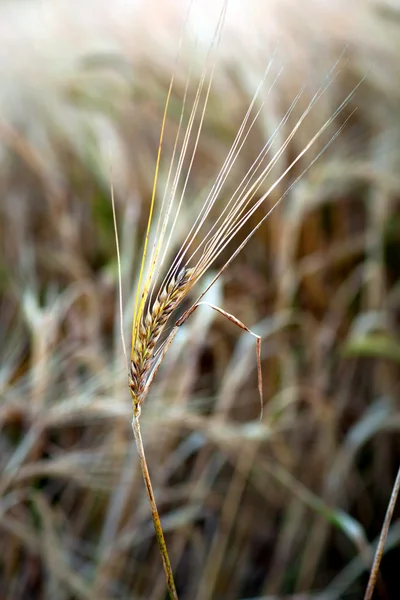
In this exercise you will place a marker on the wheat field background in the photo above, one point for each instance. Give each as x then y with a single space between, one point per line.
289 507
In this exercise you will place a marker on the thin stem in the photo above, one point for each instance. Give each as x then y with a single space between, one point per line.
121 310
154 512
382 539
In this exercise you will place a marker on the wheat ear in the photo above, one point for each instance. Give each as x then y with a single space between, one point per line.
155 322
152 311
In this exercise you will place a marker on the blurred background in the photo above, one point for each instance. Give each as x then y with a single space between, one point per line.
289 507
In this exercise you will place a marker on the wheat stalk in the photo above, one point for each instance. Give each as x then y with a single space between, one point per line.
153 309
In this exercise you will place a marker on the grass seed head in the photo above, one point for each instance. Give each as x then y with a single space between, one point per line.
152 324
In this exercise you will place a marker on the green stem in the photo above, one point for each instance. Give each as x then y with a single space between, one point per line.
154 512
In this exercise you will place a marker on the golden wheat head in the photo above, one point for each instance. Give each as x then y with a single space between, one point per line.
156 302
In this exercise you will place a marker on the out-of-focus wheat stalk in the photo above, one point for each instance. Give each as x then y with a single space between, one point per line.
382 539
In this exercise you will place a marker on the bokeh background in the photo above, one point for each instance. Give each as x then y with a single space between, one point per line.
289 507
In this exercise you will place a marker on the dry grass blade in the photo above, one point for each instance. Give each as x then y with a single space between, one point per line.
241 325
382 539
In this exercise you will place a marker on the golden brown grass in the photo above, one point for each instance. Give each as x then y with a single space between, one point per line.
287 507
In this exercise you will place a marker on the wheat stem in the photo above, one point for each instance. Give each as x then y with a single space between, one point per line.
154 512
